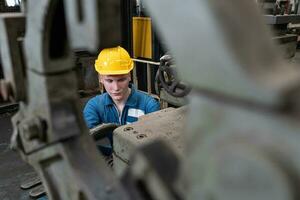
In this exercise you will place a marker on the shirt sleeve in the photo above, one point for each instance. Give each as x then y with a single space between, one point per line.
152 106
91 115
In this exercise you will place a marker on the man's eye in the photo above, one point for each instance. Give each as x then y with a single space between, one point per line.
122 80
109 81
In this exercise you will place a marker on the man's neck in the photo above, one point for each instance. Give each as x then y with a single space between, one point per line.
120 104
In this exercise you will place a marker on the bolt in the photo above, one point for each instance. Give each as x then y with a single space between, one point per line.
35 129
128 128
31 131
141 136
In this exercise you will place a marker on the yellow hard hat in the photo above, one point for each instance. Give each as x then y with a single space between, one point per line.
113 61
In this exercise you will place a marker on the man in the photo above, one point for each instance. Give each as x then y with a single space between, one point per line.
122 103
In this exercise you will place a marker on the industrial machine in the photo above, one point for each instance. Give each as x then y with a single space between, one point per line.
236 139
283 18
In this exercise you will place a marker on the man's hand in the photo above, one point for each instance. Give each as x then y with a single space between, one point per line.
101 131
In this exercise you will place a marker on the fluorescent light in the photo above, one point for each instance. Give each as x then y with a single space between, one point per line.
12 2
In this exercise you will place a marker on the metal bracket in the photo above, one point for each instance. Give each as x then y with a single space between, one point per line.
90 21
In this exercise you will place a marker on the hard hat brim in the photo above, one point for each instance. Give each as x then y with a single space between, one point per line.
115 72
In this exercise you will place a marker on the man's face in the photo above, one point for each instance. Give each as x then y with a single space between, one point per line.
116 85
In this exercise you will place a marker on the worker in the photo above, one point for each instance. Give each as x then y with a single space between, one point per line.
122 103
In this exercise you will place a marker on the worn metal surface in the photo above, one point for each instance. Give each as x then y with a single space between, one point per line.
84 30
34 181
175 101
46 38
167 124
287 45
88 83
49 130
235 150
154 172
243 153
224 49
239 142
37 191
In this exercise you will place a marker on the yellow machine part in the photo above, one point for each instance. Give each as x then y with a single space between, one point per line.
142 37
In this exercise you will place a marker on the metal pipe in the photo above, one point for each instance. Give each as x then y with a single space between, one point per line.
149 85
145 61
134 74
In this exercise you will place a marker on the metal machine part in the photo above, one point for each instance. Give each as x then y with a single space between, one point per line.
287 44
284 35
279 7
168 99
244 153
284 14
34 187
244 57
147 154
171 90
166 124
84 15
234 148
167 78
249 50
234 135
282 19
154 172
49 131
88 82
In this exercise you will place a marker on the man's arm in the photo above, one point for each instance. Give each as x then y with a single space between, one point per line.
91 114
152 106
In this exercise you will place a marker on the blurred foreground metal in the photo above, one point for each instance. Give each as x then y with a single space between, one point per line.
242 132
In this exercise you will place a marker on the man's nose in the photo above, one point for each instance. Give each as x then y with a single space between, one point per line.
115 86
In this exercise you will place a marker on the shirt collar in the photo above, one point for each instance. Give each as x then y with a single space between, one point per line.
131 101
